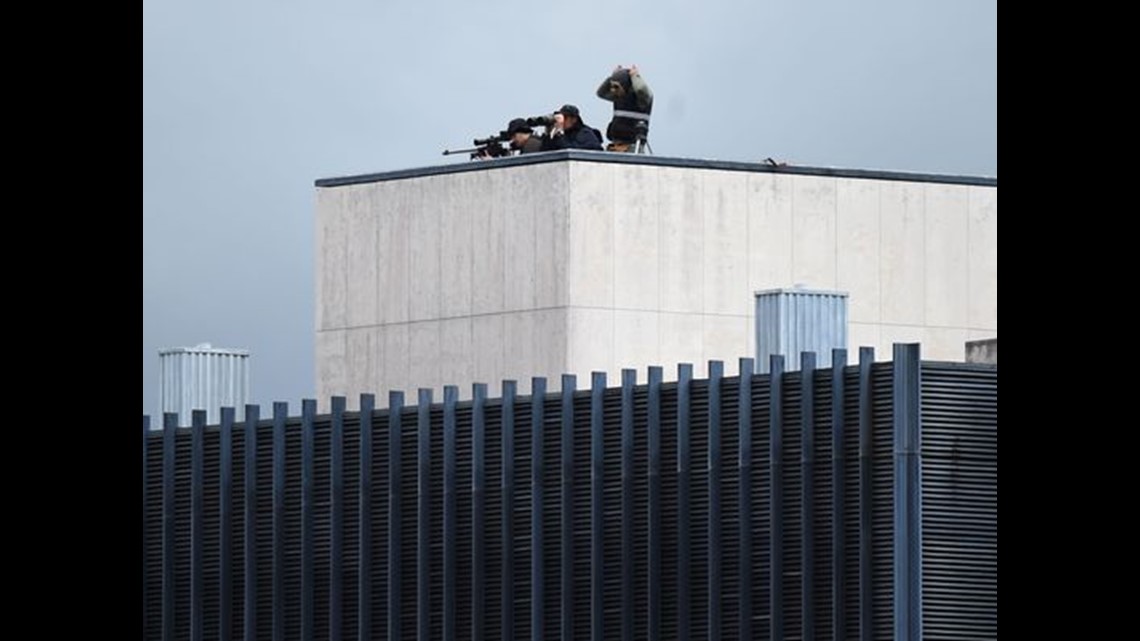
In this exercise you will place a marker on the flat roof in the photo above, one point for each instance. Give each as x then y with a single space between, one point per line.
654 161
207 349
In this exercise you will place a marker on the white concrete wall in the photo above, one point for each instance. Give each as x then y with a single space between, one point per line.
441 280
690 246
571 266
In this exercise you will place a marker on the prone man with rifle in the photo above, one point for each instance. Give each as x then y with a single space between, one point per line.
518 134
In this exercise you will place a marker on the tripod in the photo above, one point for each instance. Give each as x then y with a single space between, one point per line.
641 144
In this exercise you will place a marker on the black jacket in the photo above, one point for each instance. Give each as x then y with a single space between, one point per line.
578 137
532 144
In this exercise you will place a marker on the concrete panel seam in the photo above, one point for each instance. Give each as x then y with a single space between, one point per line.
479 315
880 261
924 256
969 259
835 232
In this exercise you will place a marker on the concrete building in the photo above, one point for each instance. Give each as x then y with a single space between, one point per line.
577 261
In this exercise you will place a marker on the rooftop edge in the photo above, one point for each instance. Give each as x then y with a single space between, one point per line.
654 161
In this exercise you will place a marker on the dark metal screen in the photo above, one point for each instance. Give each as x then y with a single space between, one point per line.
854 502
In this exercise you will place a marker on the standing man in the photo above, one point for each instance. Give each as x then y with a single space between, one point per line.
633 102
569 132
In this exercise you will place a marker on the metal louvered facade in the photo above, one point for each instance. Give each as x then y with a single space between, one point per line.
849 502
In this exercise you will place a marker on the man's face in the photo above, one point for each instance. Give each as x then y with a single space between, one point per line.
617 89
568 121
518 138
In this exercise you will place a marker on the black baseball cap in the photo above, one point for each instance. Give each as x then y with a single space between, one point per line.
570 110
517 125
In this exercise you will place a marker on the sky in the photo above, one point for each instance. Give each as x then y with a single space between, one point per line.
247 102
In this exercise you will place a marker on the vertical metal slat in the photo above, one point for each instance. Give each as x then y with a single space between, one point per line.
655 523
508 510
776 482
597 511
569 385
450 482
807 495
838 492
716 372
866 604
364 522
308 451
628 382
249 530
395 519
169 425
280 415
197 526
336 542
537 573
907 493
478 492
225 527
145 441
744 469
684 525
423 517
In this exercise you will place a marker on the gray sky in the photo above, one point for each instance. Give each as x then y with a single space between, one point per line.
247 102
